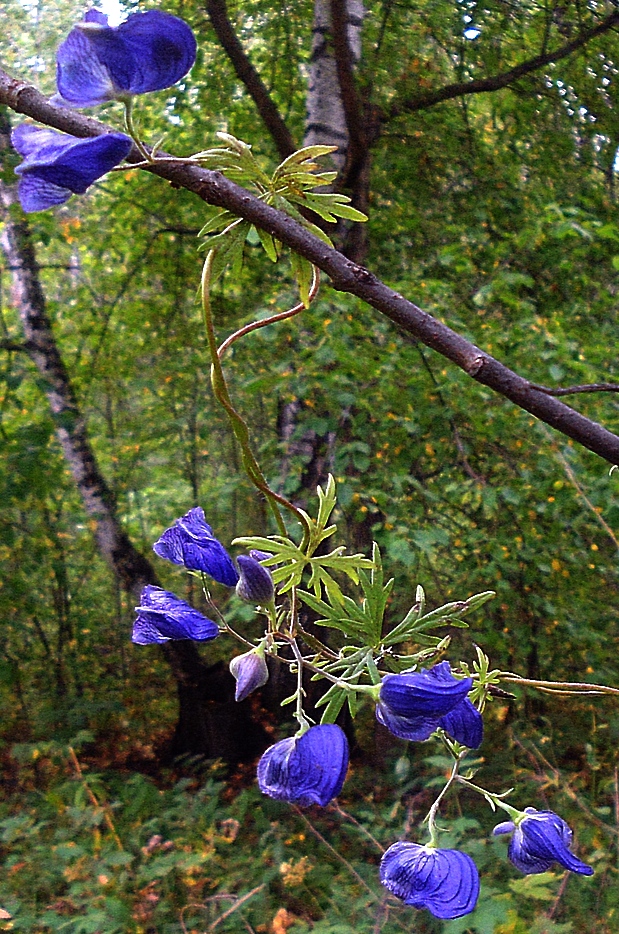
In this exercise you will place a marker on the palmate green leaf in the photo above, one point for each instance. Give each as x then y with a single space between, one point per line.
228 247
220 220
329 206
306 154
450 614
283 204
303 274
334 706
345 615
269 244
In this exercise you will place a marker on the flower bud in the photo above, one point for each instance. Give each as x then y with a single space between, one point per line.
250 671
255 584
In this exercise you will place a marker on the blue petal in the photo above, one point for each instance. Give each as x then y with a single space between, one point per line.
57 165
464 724
541 839
163 47
308 770
190 542
255 584
426 693
415 729
250 671
446 882
82 79
163 616
37 195
148 52
506 826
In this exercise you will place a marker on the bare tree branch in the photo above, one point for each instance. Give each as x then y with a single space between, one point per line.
218 15
495 82
571 390
346 276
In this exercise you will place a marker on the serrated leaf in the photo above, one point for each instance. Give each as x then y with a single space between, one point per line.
303 273
307 153
334 706
218 222
268 244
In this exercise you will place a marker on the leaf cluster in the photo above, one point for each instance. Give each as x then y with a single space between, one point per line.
289 189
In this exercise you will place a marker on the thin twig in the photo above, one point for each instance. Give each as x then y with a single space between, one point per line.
93 799
334 806
240 901
572 478
335 853
570 390
570 687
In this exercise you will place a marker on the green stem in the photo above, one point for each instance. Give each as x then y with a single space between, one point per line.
432 813
300 717
131 130
239 426
494 799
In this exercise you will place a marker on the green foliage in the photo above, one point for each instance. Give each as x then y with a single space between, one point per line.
290 184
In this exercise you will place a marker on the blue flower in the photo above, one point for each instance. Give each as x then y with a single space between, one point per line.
255 584
56 165
163 616
540 839
412 705
464 723
148 52
446 882
250 671
307 770
190 542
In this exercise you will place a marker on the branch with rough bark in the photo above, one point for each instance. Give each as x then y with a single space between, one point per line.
502 80
345 275
245 71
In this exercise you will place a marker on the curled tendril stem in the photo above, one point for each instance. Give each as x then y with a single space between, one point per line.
281 316
239 426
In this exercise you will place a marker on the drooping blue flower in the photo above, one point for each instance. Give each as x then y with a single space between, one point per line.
148 52
163 616
255 583
307 770
464 723
412 705
57 165
250 671
190 542
540 839
446 882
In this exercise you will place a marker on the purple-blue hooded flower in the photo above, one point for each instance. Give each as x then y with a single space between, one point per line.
464 723
255 583
307 770
148 52
250 672
57 165
540 839
162 616
412 705
446 882
190 542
